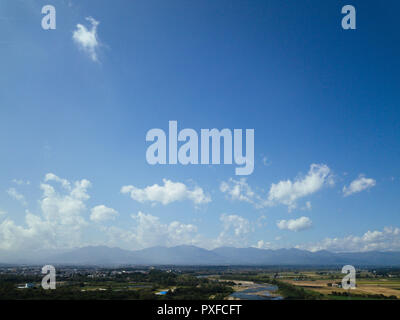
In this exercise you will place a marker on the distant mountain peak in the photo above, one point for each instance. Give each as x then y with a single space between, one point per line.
192 255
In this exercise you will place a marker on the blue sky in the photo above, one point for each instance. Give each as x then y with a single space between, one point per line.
323 102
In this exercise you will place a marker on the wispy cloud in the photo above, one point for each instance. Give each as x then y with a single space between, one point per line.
12 192
21 182
235 231
238 190
87 39
358 185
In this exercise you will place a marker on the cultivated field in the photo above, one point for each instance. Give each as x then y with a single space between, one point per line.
323 284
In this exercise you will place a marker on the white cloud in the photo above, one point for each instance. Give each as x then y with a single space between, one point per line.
358 185
2 213
86 39
386 240
299 224
21 182
238 190
264 245
288 192
150 231
60 223
285 192
102 213
12 192
65 207
166 194
35 235
52 177
235 230
239 225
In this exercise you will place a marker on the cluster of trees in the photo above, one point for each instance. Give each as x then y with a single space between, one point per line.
292 292
8 291
247 277
204 291
368 296
187 287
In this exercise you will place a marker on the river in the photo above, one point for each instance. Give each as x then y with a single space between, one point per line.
257 292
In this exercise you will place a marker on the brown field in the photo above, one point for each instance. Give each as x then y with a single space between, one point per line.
384 286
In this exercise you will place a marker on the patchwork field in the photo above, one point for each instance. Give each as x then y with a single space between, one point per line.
386 287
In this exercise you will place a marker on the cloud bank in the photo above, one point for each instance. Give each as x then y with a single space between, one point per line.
386 240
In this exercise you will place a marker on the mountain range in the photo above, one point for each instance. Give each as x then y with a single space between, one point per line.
191 255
